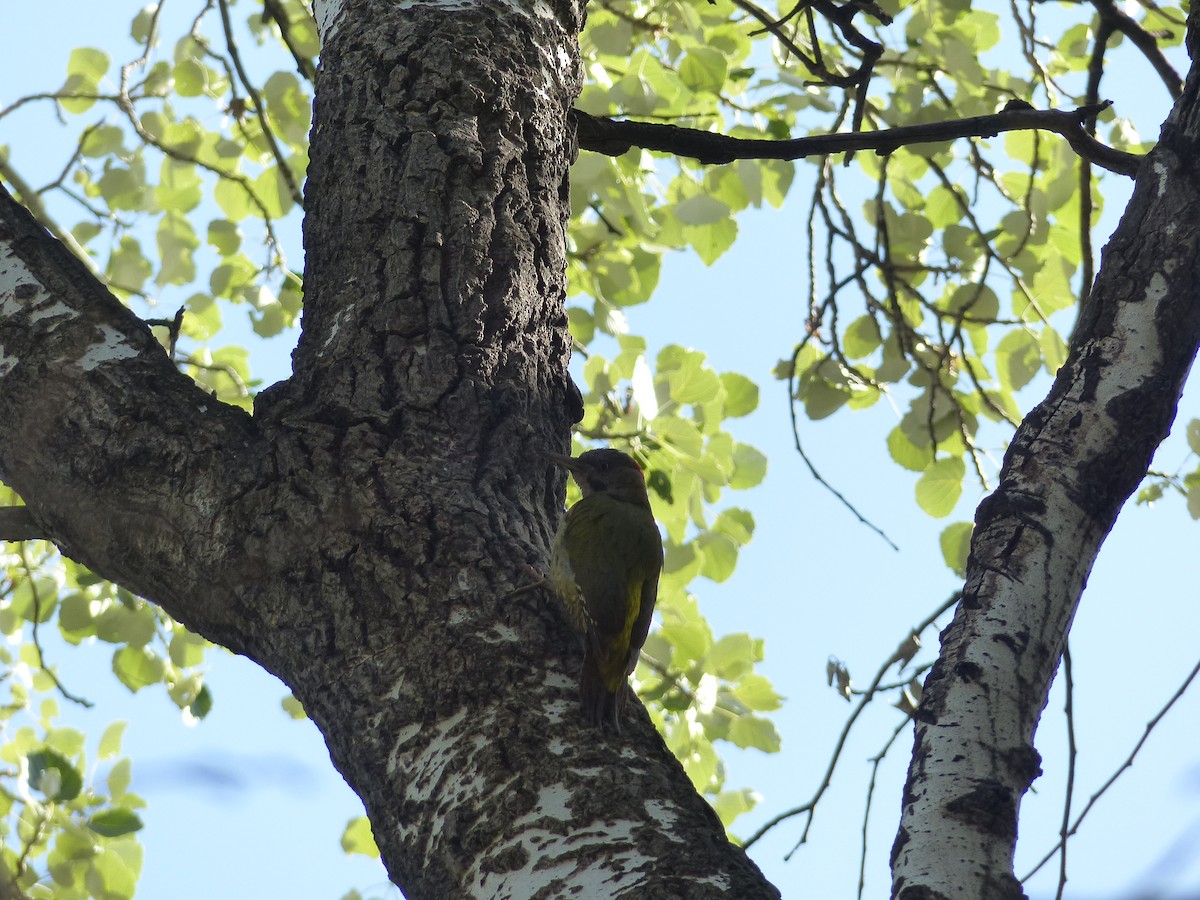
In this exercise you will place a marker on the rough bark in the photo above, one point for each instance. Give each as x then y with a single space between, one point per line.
361 535
1072 464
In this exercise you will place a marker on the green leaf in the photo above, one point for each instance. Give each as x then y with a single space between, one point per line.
137 667
110 741
271 188
733 656
186 649
1054 350
741 394
85 68
719 555
940 487
1193 436
679 433
710 241
179 187
201 706
191 78
731 804
225 236
119 779
906 453
755 692
1018 358
701 210
102 140
749 467
703 69
128 267
231 196
52 774
293 707
89 63
358 838
115 822
751 731
176 241
955 542
861 337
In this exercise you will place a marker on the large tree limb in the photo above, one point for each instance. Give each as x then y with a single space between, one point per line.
613 137
124 461
1071 465
16 524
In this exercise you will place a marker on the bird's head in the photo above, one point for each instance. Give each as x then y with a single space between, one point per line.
605 472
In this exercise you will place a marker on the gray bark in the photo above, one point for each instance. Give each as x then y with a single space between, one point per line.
1072 464
361 535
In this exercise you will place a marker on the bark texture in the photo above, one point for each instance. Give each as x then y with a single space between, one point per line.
1072 464
361 535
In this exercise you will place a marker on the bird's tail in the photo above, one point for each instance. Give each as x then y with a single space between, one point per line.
601 694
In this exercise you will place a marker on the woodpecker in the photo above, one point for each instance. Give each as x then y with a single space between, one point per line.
604 566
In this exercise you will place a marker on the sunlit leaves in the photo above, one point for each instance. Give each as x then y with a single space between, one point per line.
86 67
955 541
357 838
940 486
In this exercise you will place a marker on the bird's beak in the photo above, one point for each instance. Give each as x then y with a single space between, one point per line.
566 462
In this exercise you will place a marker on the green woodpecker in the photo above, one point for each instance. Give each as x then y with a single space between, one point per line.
605 564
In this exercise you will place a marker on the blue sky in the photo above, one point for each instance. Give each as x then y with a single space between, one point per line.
246 804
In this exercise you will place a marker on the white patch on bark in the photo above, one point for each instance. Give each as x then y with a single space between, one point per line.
425 771
326 12
555 859
53 310
111 348
1157 288
557 680
40 309
551 804
1161 171
500 634
13 274
539 8
557 711
664 814
7 363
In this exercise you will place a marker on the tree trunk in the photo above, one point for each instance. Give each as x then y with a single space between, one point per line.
1072 464
362 534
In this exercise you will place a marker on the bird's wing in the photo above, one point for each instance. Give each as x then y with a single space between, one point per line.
641 625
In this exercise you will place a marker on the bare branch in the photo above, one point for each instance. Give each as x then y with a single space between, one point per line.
614 137
1114 18
260 108
1128 763
876 685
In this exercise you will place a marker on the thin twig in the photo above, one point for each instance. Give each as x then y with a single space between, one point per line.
827 780
817 477
875 761
1069 710
37 644
260 108
1128 763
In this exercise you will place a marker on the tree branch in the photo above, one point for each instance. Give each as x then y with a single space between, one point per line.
614 137
17 524
126 464
1117 20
